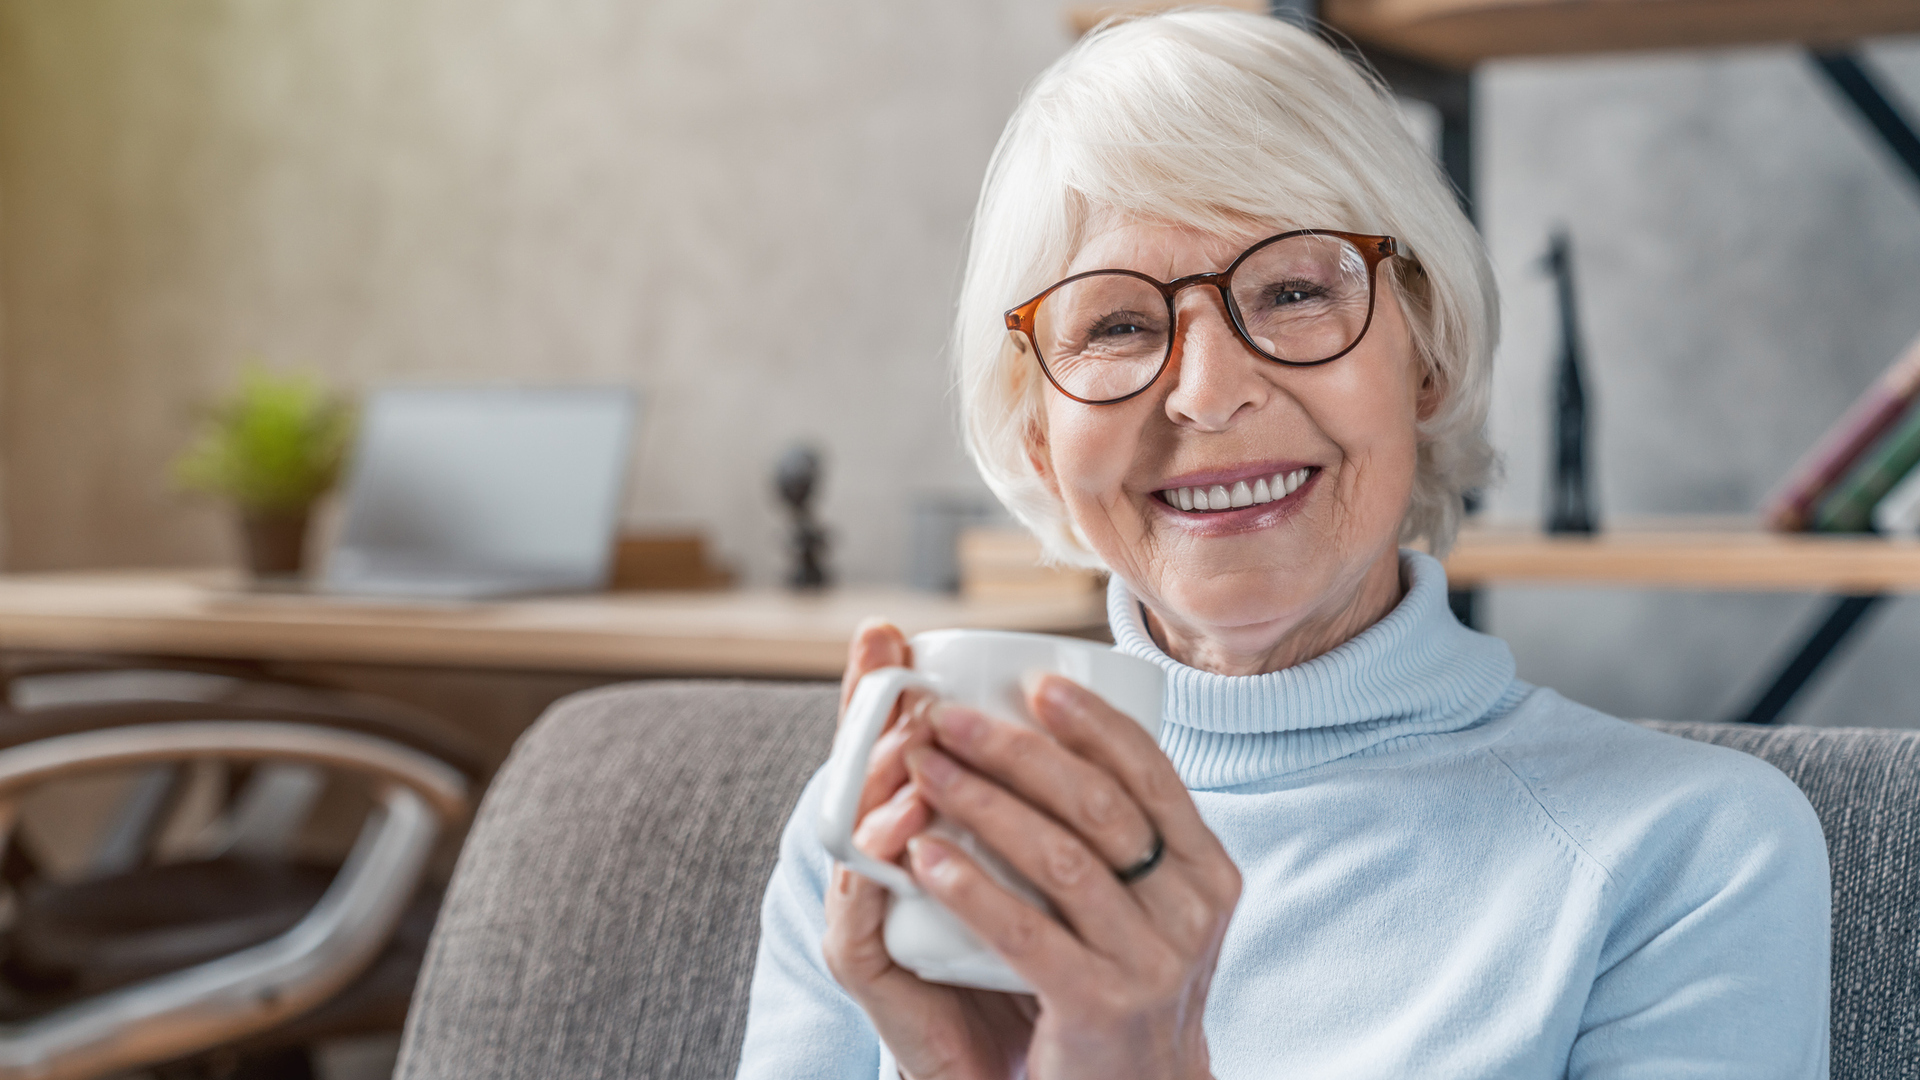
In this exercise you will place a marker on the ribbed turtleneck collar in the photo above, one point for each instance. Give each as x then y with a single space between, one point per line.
1414 674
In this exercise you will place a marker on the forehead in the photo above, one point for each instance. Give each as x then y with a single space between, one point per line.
1165 251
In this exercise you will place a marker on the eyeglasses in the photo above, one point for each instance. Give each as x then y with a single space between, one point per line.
1301 298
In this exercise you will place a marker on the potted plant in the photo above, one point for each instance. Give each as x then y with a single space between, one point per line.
271 449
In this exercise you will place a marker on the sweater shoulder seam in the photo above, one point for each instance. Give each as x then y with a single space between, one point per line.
1537 797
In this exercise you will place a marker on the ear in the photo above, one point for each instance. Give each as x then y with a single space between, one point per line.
1040 456
1429 395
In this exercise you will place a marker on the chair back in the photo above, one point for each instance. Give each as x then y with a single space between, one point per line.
604 915
1865 785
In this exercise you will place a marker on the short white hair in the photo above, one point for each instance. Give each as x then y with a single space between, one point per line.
1216 120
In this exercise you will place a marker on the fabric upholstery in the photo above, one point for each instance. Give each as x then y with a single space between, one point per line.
1865 785
603 916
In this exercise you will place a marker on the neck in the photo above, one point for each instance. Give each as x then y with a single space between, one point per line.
1274 646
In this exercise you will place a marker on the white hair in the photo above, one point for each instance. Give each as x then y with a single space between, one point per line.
1216 120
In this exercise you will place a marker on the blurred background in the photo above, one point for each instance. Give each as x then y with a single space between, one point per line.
753 214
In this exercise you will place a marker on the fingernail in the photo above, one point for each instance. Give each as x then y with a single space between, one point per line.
937 768
956 722
926 855
1052 692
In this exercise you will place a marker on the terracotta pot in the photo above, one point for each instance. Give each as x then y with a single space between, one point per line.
276 543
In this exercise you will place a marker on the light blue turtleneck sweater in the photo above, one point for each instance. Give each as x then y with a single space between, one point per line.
1448 873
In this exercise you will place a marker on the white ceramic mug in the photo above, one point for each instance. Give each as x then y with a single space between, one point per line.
981 669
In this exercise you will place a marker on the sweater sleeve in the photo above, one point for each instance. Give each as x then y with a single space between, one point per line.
800 1024
1718 962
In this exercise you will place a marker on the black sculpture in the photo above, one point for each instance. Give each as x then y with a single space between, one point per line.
1570 501
798 477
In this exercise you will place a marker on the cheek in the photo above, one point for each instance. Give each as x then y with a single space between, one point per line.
1091 451
1371 413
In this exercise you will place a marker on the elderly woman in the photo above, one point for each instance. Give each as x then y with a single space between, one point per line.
1225 333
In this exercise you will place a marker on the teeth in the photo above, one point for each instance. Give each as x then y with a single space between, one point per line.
1218 497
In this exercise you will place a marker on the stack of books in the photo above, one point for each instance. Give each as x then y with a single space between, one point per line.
1005 564
1860 476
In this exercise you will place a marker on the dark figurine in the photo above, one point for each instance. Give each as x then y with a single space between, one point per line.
797 477
1570 501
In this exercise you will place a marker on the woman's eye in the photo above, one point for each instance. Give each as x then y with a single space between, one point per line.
1292 293
1117 326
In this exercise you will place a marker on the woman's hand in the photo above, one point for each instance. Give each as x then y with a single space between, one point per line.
1122 974
936 1032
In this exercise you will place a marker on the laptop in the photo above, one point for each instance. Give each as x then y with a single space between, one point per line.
463 493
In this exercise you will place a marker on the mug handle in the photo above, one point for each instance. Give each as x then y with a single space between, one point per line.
873 700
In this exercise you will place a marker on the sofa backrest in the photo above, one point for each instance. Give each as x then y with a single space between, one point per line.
604 913
603 917
1865 785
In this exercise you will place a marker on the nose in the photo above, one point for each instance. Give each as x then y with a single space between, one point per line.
1213 375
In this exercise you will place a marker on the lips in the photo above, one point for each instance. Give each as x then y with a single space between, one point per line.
1237 494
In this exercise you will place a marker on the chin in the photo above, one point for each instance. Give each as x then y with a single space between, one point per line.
1240 598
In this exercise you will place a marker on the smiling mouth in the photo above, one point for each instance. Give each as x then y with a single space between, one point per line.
1238 495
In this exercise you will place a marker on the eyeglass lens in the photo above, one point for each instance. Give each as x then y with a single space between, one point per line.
1301 300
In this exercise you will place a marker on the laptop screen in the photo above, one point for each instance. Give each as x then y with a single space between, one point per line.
521 485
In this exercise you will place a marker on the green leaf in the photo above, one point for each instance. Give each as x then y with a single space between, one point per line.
272 447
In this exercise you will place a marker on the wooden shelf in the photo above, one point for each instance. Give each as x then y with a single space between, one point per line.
747 632
1674 556
1460 33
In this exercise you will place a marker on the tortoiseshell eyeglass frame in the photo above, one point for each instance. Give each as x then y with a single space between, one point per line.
1373 249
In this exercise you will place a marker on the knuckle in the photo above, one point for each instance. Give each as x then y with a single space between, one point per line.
972 797
1068 862
1161 974
1197 919
1021 936
1114 997
1224 882
1160 784
1101 806
1012 742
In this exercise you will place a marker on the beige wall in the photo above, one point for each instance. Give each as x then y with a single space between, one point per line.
752 211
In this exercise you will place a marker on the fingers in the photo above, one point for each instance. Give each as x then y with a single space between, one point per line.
1071 875
884 831
1032 943
856 910
1109 739
886 764
1035 766
876 643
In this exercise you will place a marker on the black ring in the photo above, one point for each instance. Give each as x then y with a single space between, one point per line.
1145 866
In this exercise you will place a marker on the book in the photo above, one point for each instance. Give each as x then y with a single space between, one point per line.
1848 507
1791 507
1898 511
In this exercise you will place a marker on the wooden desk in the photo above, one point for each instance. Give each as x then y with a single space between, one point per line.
490 668
751 632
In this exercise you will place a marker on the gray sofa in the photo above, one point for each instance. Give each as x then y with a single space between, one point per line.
603 917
